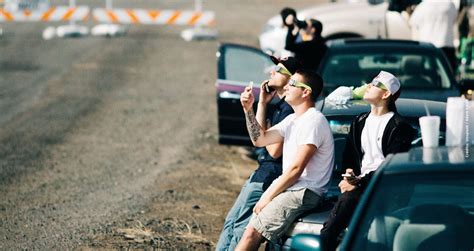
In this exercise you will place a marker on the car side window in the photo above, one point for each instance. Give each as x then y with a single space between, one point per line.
246 65
414 70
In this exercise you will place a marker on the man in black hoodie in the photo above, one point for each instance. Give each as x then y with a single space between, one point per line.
371 138
305 41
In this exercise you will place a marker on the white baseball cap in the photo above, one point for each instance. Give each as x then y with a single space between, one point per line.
388 80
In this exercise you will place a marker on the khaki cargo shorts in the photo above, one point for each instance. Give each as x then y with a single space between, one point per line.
278 215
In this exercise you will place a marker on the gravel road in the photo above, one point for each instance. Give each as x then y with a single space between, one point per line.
112 143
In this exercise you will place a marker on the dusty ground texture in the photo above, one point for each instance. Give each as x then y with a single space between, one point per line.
188 210
112 143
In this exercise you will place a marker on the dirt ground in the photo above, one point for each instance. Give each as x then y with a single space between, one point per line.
112 143
188 210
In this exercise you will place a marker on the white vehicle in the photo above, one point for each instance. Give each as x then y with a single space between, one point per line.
366 18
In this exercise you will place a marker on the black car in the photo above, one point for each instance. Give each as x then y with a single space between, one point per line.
238 65
420 200
422 69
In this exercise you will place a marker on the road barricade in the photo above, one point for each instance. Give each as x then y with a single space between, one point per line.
154 17
53 14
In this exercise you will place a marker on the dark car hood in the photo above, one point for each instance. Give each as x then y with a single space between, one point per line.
436 95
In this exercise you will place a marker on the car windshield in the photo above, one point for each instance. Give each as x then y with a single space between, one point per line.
415 70
437 208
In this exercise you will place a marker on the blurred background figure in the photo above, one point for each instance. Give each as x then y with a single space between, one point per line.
304 39
463 19
433 21
404 7
466 39
407 6
285 12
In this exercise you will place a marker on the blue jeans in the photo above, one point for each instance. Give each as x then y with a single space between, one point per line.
239 215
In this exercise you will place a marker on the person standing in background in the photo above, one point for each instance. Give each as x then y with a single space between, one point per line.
433 21
304 39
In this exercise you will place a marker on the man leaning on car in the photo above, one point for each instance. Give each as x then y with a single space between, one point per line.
308 159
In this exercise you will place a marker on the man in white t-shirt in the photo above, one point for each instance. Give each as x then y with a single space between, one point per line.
433 21
372 137
308 159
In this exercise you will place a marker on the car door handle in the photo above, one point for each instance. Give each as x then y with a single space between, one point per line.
229 95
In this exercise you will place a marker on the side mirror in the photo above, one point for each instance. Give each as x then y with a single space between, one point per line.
306 242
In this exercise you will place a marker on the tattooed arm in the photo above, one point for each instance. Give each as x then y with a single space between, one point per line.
254 129
258 135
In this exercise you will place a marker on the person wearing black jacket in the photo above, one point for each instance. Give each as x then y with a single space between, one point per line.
305 41
372 137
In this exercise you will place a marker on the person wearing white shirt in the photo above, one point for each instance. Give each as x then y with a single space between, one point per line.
433 21
308 160
371 138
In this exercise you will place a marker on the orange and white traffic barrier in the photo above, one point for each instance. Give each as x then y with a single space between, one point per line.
57 13
160 17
